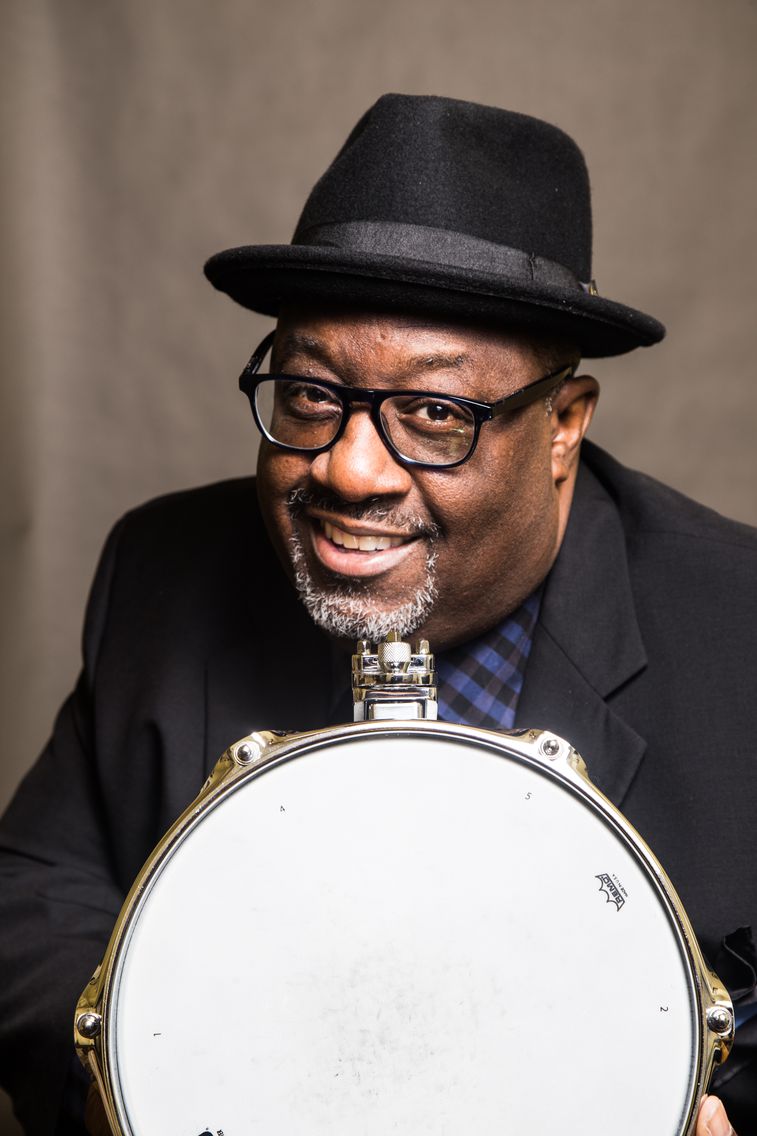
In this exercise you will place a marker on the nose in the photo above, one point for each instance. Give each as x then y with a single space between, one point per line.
359 465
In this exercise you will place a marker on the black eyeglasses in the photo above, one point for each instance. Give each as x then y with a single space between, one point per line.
419 428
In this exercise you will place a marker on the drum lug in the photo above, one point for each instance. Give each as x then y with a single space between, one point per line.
556 750
720 1020
252 749
243 754
551 747
89 1025
88 1018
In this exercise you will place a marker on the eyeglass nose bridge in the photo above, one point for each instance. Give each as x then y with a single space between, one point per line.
371 400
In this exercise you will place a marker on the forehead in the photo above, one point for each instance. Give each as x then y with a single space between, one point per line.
399 342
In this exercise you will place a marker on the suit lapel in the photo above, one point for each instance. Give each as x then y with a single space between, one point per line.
587 643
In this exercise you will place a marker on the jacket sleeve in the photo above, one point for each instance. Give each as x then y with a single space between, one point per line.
58 899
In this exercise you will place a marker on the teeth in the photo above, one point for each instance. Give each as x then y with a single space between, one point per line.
362 543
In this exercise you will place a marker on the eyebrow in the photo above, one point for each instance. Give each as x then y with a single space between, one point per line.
424 362
439 361
294 341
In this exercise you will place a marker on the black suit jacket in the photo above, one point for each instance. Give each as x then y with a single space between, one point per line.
643 657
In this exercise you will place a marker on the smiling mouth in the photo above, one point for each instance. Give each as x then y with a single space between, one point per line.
363 542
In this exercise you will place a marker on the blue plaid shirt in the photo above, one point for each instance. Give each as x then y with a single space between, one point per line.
479 682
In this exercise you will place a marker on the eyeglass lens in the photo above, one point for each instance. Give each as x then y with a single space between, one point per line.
422 428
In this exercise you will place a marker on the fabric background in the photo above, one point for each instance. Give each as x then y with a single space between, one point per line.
140 137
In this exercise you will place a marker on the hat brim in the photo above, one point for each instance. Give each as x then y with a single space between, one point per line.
265 277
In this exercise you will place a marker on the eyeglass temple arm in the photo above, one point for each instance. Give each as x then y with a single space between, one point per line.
532 392
259 355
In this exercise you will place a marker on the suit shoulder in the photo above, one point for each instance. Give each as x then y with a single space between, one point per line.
650 509
201 538
222 503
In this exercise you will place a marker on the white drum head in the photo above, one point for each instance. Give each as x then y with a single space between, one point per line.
414 936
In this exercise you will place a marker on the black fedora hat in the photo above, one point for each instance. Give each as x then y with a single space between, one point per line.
447 207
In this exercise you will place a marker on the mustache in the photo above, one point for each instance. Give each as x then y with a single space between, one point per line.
372 509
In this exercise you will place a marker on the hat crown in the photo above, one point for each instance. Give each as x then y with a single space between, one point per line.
448 208
476 170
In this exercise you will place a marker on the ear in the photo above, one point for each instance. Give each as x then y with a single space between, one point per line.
572 411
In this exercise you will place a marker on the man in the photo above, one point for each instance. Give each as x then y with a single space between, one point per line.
446 250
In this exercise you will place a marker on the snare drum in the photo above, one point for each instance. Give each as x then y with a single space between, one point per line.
404 927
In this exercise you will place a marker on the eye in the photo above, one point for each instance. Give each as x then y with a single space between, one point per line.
316 394
436 411
307 392
424 412
308 399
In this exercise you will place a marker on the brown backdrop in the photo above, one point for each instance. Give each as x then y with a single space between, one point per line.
141 136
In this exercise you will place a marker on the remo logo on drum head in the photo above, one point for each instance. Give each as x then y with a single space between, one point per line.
400 925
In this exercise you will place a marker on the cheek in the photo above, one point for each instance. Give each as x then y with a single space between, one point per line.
501 483
277 475
503 511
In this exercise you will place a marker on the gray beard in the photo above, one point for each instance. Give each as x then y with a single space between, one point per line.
346 609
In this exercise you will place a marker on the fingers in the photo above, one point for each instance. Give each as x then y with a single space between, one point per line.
712 1119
